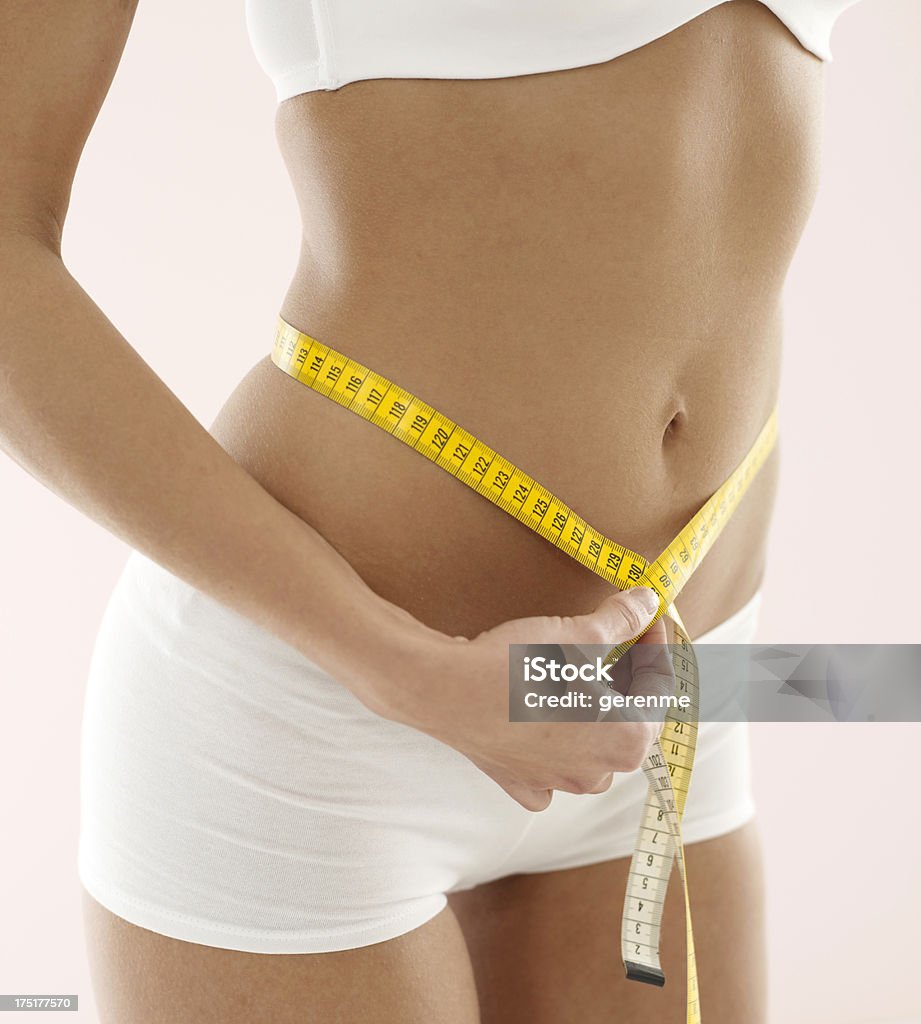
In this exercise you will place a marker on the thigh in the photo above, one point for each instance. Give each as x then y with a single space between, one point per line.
545 948
143 977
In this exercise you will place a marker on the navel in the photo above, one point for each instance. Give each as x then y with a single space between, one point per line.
674 427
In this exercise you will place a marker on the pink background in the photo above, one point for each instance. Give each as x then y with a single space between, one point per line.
182 207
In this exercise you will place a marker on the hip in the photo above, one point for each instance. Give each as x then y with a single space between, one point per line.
233 793
634 436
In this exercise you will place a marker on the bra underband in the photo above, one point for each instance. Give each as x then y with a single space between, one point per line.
306 45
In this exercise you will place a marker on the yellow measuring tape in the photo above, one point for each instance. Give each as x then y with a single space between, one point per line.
669 764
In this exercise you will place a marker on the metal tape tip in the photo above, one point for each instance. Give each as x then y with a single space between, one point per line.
641 972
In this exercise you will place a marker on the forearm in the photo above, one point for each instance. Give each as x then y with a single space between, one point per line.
84 414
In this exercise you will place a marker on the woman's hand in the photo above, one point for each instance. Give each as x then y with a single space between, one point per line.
458 693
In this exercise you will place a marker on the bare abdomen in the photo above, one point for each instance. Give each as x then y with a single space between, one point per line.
584 269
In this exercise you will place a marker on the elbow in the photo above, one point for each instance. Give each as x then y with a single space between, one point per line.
35 226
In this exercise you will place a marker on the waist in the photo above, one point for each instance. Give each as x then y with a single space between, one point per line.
688 166
635 433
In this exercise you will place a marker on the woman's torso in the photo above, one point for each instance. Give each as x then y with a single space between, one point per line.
584 269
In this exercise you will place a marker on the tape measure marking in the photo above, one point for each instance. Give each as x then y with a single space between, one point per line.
669 763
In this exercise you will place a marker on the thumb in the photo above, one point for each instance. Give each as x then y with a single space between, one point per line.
620 616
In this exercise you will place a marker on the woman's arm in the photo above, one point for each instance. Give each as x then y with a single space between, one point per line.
85 415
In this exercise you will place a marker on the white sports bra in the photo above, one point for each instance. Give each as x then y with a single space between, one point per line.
304 45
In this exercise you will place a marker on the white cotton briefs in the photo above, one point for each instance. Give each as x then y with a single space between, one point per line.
235 795
304 45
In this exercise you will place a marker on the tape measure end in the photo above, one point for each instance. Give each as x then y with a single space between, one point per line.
644 973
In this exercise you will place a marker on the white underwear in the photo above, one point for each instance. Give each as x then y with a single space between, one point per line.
233 794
